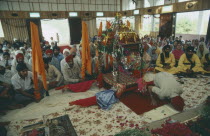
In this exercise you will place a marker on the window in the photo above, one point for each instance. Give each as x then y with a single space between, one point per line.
147 23
205 21
156 23
186 23
33 14
151 23
151 3
103 20
131 19
56 28
158 2
1 30
73 14
112 19
99 14
183 0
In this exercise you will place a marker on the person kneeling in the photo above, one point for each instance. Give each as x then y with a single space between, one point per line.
166 87
23 85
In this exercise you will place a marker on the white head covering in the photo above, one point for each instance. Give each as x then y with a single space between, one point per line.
66 50
22 48
15 39
5 48
205 51
18 51
149 77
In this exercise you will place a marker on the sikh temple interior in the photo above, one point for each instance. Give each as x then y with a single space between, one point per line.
104 68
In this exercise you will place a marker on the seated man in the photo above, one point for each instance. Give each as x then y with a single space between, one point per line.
57 54
53 75
7 97
206 62
19 59
52 60
154 56
166 87
5 74
166 61
23 85
71 71
189 63
7 61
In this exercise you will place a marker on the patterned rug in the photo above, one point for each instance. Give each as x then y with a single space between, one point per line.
93 121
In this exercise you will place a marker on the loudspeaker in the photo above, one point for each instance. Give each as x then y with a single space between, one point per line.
149 10
87 14
14 14
54 14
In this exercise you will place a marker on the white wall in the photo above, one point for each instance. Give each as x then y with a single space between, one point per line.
60 5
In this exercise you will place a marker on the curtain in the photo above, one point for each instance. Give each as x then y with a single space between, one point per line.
75 26
166 22
91 24
38 23
14 28
208 33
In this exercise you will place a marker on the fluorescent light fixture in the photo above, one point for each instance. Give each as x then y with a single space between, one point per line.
34 14
99 14
166 9
73 14
136 12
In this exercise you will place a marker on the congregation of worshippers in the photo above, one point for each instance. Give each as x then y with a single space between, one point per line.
181 57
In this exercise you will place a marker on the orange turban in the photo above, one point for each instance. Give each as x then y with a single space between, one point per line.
178 103
49 51
68 58
19 55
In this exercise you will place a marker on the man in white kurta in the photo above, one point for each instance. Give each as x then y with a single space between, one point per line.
166 85
71 71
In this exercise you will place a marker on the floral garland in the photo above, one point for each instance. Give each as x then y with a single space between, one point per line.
133 132
173 129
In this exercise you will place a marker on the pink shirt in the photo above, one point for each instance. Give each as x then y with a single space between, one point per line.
177 53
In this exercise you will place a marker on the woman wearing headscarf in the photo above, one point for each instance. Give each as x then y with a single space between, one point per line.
202 50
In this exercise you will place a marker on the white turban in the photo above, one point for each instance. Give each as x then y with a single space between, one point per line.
66 50
18 51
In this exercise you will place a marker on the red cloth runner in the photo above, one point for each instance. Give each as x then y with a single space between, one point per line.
78 87
85 102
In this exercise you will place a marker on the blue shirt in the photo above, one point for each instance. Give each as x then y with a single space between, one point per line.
59 57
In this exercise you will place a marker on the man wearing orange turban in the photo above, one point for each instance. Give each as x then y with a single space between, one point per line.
71 71
19 58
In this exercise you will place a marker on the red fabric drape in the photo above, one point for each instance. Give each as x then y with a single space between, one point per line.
85 102
79 87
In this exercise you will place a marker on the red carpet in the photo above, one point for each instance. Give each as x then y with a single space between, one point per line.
64 47
139 103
